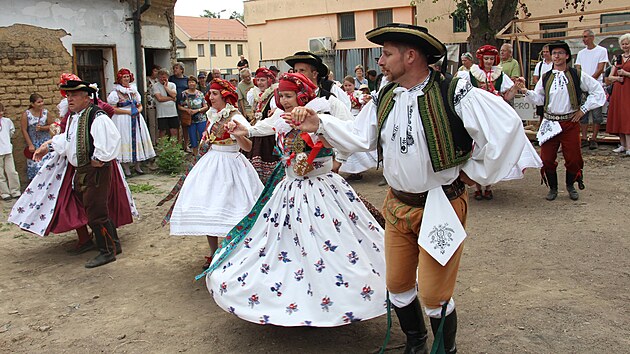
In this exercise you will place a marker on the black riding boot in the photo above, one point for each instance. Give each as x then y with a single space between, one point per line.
552 181
571 178
111 228
412 324
449 331
104 239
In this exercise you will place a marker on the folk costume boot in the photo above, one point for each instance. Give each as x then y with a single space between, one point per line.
552 181
412 324
449 331
570 179
105 244
111 229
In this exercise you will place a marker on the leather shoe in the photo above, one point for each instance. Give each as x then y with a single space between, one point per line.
487 195
101 259
478 195
573 194
354 177
80 249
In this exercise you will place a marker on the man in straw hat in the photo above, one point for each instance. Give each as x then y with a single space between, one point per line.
424 128
90 143
559 93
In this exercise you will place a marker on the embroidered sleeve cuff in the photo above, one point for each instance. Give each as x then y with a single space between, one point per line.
583 109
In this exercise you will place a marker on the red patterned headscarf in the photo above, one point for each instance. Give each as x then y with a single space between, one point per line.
122 72
487 50
264 72
228 92
63 79
298 83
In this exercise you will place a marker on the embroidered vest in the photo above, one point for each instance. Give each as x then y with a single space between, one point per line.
325 89
266 107
573 86
293 143
448 141
217 133
85 141
497 83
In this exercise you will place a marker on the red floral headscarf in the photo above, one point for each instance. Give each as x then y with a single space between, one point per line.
63 79
298 83
120 74
487 50
228 92
264 72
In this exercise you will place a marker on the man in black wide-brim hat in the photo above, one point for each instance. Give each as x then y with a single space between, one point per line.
90 142
559 93
424 127
313 67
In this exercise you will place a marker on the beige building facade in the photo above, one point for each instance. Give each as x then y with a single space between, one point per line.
279 28
213 43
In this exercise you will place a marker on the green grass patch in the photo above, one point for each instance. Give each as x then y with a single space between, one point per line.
143 188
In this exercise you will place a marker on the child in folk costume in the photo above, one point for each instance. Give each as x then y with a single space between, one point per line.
355 96
222 185
66 209
7 165
261 99
309 253
491 78
136 145
358 162
34 125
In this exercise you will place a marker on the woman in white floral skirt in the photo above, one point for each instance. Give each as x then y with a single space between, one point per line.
309 253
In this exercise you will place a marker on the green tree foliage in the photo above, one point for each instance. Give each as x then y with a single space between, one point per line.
235 15
486 18
209 14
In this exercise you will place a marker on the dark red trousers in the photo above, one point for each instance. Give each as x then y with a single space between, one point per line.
569 139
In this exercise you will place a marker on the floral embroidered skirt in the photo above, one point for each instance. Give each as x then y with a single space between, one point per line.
313 257
48 204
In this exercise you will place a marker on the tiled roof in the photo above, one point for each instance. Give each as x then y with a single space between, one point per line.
197 28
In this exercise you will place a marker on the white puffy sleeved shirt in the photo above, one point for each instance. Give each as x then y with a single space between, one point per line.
559 102
104 132
494 126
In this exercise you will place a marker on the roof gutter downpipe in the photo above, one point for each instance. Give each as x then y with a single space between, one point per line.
137 36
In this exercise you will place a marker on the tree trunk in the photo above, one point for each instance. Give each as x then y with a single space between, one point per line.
485 23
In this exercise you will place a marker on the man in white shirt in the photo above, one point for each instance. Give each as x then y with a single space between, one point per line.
91 142
560 126
165 93
592 60
544 65
425 138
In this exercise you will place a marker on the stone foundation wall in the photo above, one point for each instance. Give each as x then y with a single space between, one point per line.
31 61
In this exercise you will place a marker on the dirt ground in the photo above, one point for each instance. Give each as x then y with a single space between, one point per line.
536 277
